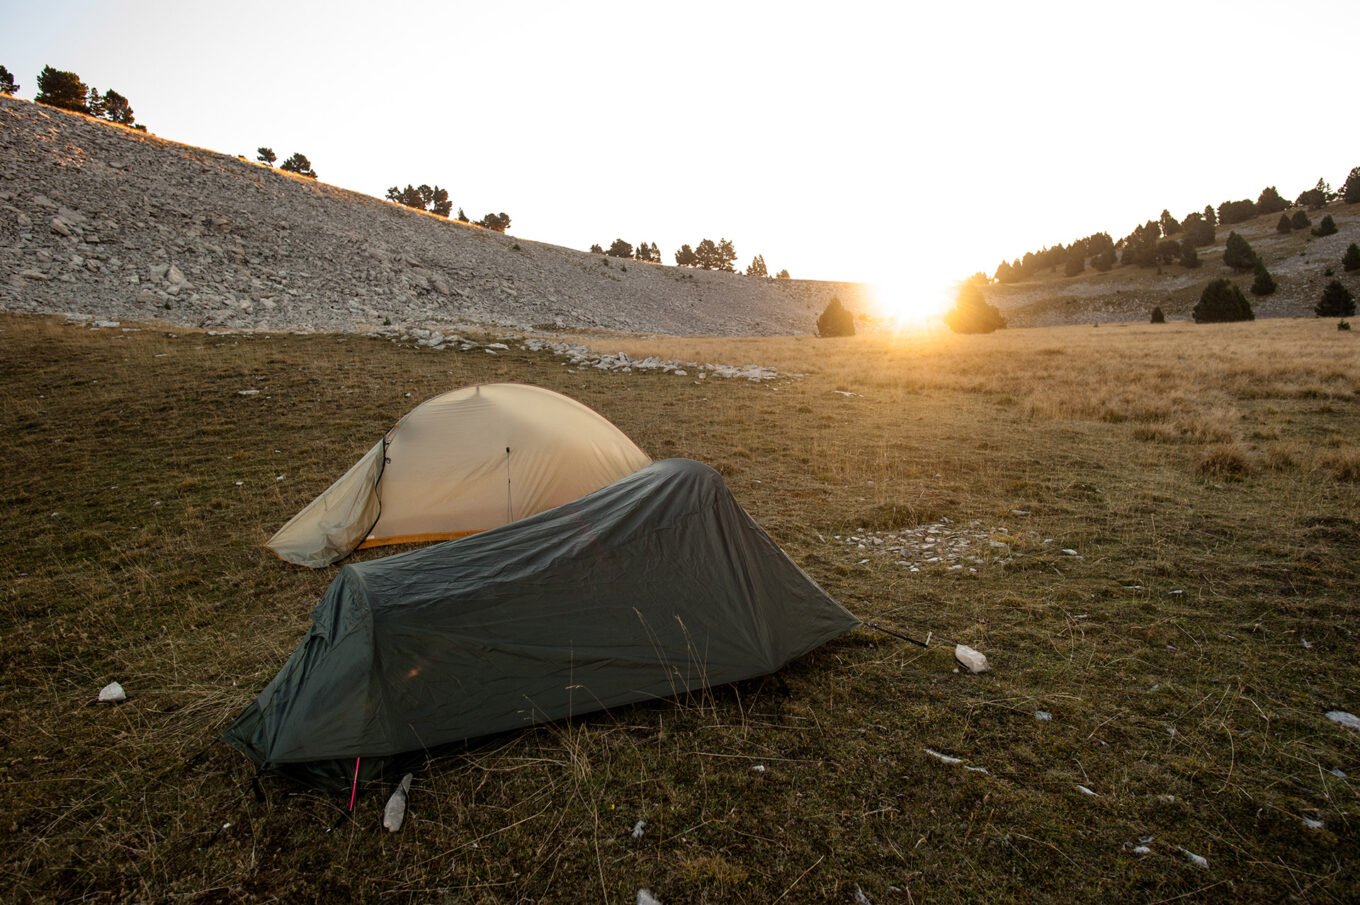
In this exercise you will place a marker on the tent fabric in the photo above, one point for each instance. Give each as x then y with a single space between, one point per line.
653 586
463 462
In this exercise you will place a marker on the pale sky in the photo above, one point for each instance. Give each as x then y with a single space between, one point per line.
846 140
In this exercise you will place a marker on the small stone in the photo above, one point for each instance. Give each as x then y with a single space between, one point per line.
112 693
59 227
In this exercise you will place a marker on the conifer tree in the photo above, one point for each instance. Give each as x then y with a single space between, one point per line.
836 320
7 83
298 164
757 268
1157 316
1237 254
266 155
1336 301
57 88
1350 189
1300 220
1189 257
1283 226
971 312
1222 302
1264 283
1325 227
1350 261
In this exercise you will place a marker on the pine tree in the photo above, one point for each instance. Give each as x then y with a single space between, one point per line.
971 312
1209 216
686 257
782 275
1283 226
1326 227
1157 316
757 268
1300 220
62 89
1189 257
298 164
7 83
115 108
1350 189
1170 225
462 217
495 222
836 320
94 102
620 249
1270 201
595 249
1350 261
1237 254
1222 302
1264 283
266 156
1336 301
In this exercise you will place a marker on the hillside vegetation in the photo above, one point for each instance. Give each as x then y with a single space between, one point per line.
101 219
1151 532
1298 261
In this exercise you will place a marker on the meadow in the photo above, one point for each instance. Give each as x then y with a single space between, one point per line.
1152 532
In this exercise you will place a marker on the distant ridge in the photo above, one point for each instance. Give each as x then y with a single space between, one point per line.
101 220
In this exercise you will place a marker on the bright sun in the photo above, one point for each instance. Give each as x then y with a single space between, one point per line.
915 304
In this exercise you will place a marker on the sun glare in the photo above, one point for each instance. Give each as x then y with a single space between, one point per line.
909 306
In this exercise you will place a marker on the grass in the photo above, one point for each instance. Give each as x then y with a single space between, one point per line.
1206 478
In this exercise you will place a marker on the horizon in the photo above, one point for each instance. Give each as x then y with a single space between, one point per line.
849 198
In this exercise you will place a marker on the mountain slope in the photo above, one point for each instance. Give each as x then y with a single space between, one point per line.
99 219
1298 261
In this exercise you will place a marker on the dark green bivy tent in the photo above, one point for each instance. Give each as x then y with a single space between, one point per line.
655 585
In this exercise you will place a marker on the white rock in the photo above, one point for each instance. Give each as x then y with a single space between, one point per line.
943 758
112 693
1194 859
638 829
1312 824
645 897
395 812
247 392
758 768
1043 716
1349 720
1085 791
971 660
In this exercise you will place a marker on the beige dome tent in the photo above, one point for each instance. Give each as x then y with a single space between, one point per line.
460 463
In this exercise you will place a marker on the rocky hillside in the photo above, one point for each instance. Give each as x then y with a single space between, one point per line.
102 220
1298 261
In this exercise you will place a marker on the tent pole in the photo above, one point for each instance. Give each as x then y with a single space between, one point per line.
509 512
354 789
888 631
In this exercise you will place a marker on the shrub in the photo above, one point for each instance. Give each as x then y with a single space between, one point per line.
1326 227
782 275
1222 302
1264 283
1300 220
1343 325
1237 254
1336 301
971 313
1157 316
594 249
836 320
62 89
1283 226
1224 462
1351 259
